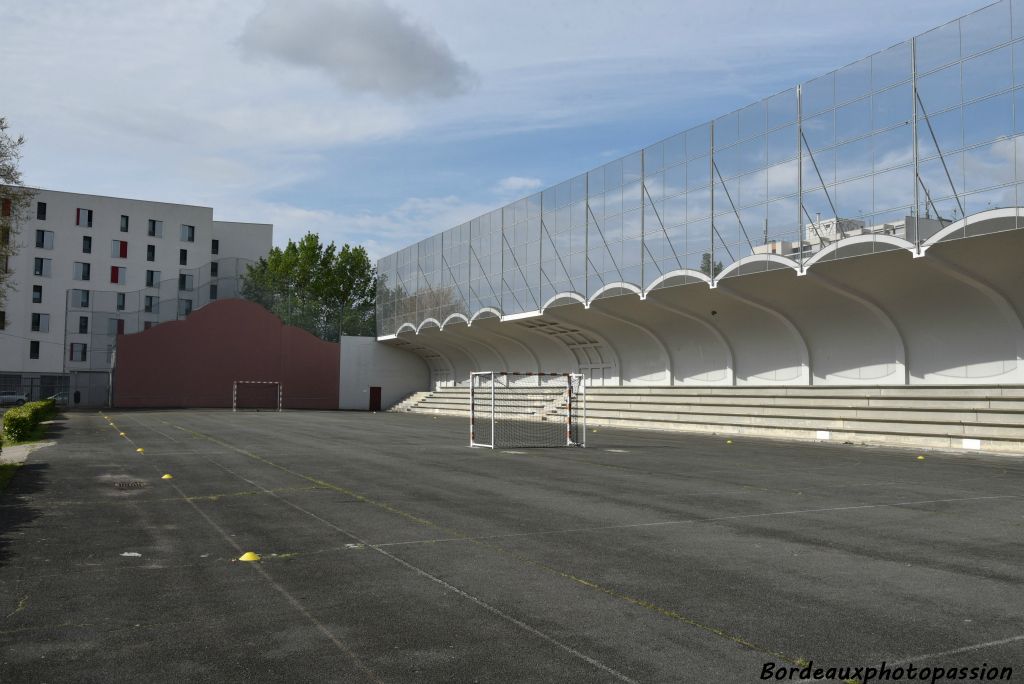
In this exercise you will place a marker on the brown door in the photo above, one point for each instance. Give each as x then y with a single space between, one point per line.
375 398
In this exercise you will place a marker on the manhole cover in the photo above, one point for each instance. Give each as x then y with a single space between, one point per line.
130 485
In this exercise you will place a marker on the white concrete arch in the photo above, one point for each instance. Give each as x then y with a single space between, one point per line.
467 335
553 355
423 324
730 359
406 326
462 345
957 330
1007 214
440 374
563 296
1000 300
454 317
487 331
803 349
481 312
660 343
850 243
684 274
784 262
876 309
620 285
561 328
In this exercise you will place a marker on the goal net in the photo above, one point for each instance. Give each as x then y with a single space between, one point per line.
256 395
509 410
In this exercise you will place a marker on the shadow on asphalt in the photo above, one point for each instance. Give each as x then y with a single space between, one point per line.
15 510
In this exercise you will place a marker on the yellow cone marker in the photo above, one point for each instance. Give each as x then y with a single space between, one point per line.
167 476
120 434
249 556
920 458
140 450
728 441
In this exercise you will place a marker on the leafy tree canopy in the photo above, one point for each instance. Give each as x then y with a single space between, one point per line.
320 288
15 201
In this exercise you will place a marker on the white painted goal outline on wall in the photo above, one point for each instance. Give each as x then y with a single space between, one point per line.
236 383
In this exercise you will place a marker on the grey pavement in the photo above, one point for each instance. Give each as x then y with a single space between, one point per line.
393 552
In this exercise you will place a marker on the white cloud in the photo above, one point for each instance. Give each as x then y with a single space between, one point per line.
365 46
515 184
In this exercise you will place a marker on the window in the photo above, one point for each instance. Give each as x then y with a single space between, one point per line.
83 325
151 305
40 322
124 223
184 307
184 282
33 349
37 294
42 267
119 249
214 268
83 217
44 239
215 247
188 233
213 291
120 301
118 274
115 326
86 244
152 278
183 257
146 325
156 228
82 270
78 351
80 298
40 211
150 252
3 320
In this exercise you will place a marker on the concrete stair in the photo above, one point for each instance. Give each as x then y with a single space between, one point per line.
410 401
948 417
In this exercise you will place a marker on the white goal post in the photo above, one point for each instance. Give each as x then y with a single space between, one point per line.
514 410
278 395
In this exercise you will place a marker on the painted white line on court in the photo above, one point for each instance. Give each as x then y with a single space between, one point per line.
478 601
963 649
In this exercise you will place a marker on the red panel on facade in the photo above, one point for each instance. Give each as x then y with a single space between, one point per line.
124 249
193 362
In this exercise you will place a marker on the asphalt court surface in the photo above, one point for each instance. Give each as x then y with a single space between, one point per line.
393 552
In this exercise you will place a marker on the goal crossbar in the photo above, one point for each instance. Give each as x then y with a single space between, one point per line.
525 409
279 394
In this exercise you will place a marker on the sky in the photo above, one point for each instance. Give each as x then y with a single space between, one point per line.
381 122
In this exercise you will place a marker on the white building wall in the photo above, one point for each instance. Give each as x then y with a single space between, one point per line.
248 241
365 364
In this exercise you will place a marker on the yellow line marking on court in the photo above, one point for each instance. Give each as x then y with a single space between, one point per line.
301 609
641 603
20 607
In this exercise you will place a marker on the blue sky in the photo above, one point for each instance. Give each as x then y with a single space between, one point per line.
380 123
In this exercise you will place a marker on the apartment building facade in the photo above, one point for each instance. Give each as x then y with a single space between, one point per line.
89 267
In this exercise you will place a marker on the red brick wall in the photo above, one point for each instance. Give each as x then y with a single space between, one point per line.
192 363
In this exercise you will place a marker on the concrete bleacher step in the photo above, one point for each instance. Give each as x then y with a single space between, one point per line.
990 418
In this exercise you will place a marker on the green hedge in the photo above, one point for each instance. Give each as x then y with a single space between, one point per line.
21 421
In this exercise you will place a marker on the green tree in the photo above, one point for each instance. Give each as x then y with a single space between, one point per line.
320 288
705 265
15 200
